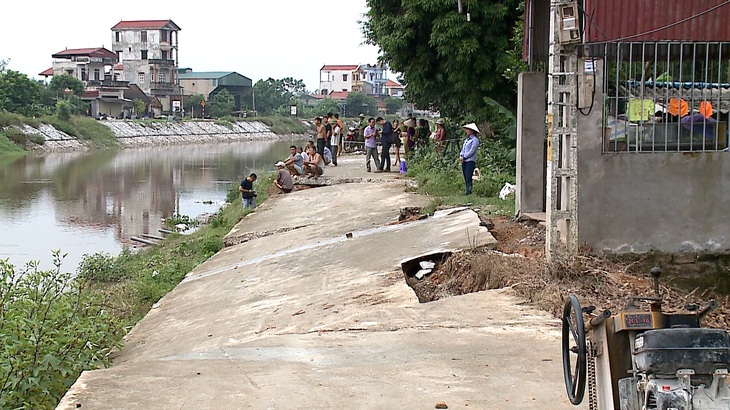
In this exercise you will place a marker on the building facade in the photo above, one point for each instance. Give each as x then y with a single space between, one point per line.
94 68
336 78
148 53
210 83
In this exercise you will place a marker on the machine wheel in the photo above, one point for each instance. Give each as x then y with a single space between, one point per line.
574 350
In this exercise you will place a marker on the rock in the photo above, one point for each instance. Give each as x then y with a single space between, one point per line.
441 405
427 264
423 272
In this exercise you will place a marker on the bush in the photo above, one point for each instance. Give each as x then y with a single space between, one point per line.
52 327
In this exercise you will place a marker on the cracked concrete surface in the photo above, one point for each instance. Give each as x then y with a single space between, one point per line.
308 318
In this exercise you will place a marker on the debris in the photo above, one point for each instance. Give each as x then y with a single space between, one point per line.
506 190
423 272
298 313
348 235
441 405
181 227
427 264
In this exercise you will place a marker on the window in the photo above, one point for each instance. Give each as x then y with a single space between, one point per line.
97 74
144 54
119 56
163 77
164 36
143 35
83 74
344 77
141 78
164 55
661 97
117 36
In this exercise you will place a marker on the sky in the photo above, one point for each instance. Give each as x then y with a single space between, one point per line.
258 39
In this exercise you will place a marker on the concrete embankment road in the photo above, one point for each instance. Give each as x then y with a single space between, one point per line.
308 319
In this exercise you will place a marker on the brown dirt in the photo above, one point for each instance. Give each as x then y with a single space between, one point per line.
519 263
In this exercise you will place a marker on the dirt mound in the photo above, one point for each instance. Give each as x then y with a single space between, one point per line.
519 263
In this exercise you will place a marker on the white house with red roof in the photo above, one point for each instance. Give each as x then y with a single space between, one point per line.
394 89
336 78
148 53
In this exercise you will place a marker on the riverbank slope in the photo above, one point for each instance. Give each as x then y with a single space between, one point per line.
308 316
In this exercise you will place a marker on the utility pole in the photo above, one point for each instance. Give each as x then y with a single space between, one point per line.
562 153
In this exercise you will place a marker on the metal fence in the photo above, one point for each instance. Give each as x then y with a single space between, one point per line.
665 96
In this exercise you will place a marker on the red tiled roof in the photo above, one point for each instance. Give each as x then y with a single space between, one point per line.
91 52
47 73
393 84
144 24
339 95
338 68
119 66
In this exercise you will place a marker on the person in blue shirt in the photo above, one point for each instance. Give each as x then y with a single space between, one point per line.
468 154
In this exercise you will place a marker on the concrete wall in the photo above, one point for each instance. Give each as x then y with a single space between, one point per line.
637 202
530 193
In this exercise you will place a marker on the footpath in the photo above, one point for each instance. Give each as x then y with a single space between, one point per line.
309 309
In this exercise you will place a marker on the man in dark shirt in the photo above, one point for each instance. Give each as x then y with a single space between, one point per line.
386 139
248 195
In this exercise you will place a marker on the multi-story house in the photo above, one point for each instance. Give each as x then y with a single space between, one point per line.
148 52
375 76
336 78
94 67
394 89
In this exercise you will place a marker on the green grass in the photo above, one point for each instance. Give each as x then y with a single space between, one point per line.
8 147
85 128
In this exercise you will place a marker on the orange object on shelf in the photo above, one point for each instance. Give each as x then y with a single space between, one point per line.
678 107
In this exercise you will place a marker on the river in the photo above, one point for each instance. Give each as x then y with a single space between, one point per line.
82 203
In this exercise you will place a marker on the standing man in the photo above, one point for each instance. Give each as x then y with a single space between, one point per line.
371 145
321 135
283 178
248 195
327 131
386 139
363 125
468 154
342 131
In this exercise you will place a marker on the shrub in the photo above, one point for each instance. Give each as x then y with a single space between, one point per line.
52 327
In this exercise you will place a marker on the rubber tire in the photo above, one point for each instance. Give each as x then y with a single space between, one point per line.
575 383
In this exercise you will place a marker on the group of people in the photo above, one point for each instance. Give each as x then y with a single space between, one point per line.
322 151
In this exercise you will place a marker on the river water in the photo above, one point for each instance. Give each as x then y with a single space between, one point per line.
92 202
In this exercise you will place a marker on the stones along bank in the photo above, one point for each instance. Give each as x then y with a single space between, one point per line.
316 314
145 133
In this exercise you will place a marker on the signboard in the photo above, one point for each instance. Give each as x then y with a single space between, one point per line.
294 110
176 105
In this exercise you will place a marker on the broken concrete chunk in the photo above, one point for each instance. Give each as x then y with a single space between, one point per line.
423 272
427 264
441 405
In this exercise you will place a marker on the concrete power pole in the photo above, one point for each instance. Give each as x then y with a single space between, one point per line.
562 154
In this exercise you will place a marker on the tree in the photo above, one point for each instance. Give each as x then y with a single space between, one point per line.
393 104
360 103
327 105
59 84
4 64
272 94
222 104
447 62
18 93
140 108
192 104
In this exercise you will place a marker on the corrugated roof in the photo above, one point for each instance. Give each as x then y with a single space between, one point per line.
334 67
47 72
657 20
145 25
91 52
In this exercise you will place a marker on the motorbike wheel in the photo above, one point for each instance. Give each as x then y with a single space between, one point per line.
574 350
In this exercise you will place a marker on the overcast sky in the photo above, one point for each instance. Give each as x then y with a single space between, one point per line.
259 39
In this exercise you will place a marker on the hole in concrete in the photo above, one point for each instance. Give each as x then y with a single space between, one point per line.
426 290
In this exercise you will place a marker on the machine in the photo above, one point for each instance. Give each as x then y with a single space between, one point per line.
643 358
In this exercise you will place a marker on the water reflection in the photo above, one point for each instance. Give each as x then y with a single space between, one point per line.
89 202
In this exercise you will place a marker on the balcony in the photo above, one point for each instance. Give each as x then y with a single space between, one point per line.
107 83
155 85
161 62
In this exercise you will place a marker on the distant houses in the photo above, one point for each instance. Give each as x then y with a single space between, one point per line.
338 81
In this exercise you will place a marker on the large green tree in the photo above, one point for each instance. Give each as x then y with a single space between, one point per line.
447 62
359 103
18 93
192 105
59 83
222 104
272 94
